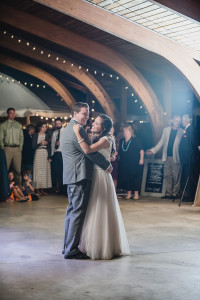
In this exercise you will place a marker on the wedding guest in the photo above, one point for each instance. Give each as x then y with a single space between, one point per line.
28 186
56 156
188 152
131 156
11 140
4 182
27 151
169 142
15 191
42 159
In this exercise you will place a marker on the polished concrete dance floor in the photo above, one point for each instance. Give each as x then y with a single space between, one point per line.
164 261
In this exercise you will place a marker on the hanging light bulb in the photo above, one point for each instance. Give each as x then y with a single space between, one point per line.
44 86
117 78
111 75
25 83
95 72
102 74
41 117
92 109
4 32
132 94
27 44
31 84
87 70
64 61
49 55
57 58
93 101
126 87
38 86
79 67
36 115
12 36
19 41
34 48
72 65
136 100
46 118
42 52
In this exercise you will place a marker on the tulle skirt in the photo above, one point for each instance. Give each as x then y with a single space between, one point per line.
103 234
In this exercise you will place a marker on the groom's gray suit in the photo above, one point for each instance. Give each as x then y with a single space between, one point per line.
77 174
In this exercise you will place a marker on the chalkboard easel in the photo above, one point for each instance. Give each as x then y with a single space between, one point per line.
153 178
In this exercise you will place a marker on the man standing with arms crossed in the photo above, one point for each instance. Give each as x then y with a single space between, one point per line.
77 174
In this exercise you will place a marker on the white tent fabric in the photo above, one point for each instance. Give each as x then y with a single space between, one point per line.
26 103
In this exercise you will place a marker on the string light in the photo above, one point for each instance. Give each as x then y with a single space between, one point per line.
31 84
38 85
92 109
141 106
72 64
53 119
36 115
93 101
46 118
126 87
44 86
41 118
25 83
136 100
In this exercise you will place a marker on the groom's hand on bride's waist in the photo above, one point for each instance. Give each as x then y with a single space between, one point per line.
110 168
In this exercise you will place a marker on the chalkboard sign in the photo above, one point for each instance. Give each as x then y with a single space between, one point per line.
153 175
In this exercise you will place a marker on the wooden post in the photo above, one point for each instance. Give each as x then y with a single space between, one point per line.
123 104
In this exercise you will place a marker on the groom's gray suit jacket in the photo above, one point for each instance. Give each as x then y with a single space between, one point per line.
77 165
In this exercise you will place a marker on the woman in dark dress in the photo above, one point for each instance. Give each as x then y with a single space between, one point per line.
131 156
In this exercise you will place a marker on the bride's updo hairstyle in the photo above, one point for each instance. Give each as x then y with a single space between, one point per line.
106 125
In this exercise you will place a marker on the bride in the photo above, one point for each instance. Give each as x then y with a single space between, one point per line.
103 234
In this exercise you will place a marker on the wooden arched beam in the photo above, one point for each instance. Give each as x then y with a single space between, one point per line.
115 61
180 56
42 75
87 79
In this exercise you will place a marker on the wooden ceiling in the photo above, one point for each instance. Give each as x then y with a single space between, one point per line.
144 60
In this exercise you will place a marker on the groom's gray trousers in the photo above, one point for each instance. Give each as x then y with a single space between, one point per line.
78 197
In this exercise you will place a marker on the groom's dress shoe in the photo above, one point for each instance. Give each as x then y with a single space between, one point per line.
79 255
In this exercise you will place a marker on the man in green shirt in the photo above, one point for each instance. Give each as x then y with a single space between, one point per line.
11 140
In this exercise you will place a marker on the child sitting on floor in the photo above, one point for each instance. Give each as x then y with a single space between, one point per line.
16 193
28 186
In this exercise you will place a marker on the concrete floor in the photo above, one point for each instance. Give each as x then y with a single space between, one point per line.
164 263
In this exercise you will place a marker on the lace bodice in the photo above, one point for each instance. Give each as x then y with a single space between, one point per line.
106 152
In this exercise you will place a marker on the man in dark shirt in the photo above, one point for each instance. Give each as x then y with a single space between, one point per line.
27 151
188 152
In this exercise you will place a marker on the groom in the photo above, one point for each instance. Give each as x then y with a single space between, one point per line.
77 174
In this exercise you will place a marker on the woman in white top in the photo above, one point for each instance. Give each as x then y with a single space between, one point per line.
103 234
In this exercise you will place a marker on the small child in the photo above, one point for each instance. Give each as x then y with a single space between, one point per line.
29 185
16 193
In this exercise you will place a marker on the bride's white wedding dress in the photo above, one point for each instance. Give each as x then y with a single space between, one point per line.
103 234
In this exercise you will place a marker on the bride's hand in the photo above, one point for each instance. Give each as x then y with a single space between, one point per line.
77 128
